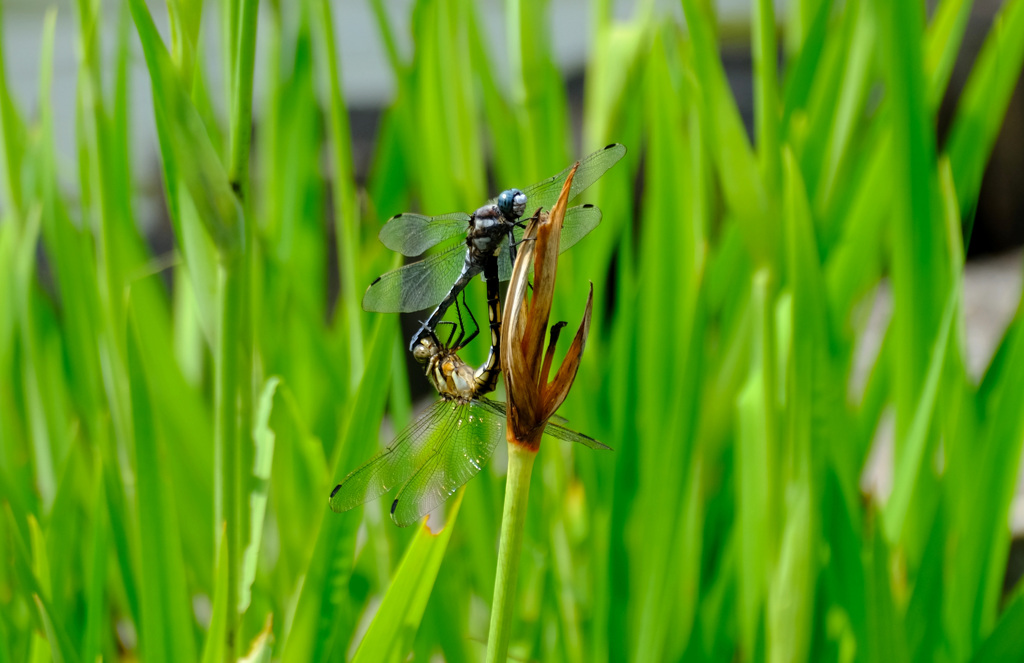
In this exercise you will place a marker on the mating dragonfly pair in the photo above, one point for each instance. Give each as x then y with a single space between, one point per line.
449 444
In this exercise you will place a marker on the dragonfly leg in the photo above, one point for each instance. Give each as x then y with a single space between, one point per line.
469 311
461 326
469 270
451 333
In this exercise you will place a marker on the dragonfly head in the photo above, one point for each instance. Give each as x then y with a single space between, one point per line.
427 348
512 203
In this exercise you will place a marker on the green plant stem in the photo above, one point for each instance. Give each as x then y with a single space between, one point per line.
517 494
231 292
346 207
236 341
241 95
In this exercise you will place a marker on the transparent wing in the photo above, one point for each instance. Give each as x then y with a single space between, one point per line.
578 222
563 433
470 436
556 425
412 234
592 167
418 285
398 461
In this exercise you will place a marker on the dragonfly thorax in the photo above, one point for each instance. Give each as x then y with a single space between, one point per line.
454 379
488 228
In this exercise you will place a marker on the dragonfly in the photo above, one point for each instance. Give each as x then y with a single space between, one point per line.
493 230
456 436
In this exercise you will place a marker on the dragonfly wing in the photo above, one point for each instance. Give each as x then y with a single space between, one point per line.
563 433
494 407
555 428
412 234
592 167
416 286
395 463
467 443
578 222
501 409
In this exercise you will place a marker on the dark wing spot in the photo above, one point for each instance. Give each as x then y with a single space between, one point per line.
398 215
335 491
610 146
375 281
588 206
394 505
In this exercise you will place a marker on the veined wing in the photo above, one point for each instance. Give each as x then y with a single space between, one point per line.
416 286
578 222
556 430
501 409
592 167
399 460
458 452
563 433
412 234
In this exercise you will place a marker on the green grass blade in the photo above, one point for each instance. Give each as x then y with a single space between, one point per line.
398 617
96 603
263 438
738 171
802 335
914 456
918 254
980 522
979 115
215 650
853 85
766 105
261 648
166 632
12 131
756 470
31 570
346 208
1006 642
942 42
185 142
323 618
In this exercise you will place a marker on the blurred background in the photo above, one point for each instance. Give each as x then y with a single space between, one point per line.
807 347
370 86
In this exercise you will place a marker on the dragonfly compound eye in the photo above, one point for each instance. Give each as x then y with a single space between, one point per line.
424 350
512 203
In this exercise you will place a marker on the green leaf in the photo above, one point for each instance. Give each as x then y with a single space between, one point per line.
214 650
393 627
1006 642
51 635
765 55
756 469
263 438
260 650
942 43
914 456
184 143
738 171
346 209
324 617
979 115
166 620
13 133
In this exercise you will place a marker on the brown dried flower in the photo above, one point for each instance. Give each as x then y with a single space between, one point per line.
532 398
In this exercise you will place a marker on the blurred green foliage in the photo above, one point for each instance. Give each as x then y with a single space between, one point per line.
166 452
